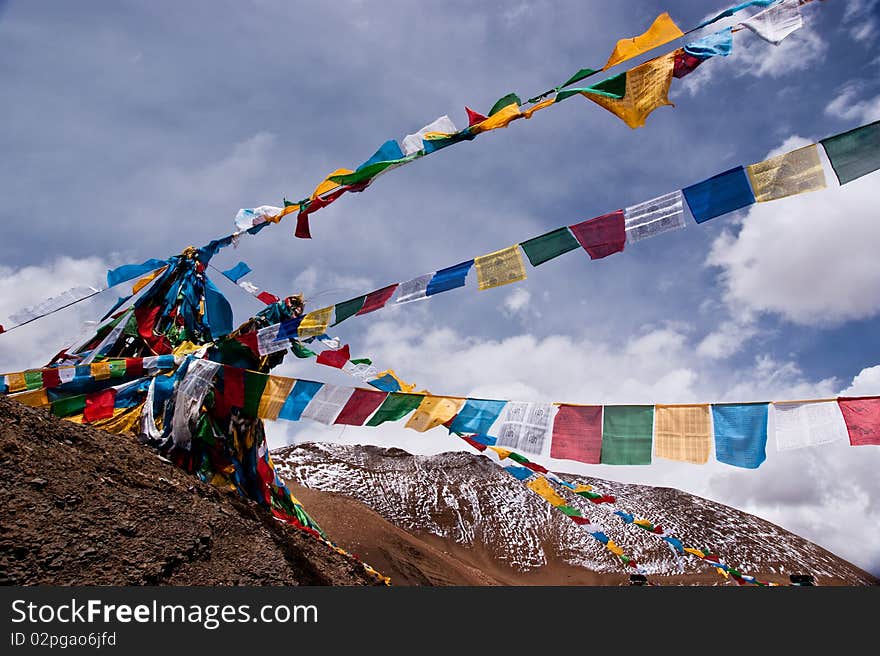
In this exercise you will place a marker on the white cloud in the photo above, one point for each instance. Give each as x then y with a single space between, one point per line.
799 52
866 383
727 339
861 18
810 258
846 105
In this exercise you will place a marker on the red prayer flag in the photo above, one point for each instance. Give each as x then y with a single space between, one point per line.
685 64
249 340
474 117
603 235
359 406
51 378
579 520
862 418
233 391
577 433
475 444
134 367
302 226
534 466
336 358
377 299
268 298
99 405
2 329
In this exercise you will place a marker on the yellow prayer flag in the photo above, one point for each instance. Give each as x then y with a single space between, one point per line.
613 548
500 119
642 522
186 347
290 209
35 398
536 108
723 572
695 552
274 395
16 382
404 387
147 279
662 30
541 487
315 323
647 88
100 370
327 184
682 432
580 487
123 420
434 411
500 268
502 452
797 172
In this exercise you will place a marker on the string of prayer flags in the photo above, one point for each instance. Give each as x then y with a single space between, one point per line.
627 435
740 433
776 22
862 418
274 396
388 155
662 31
602 236
683 433
302 393
434 411
809 423
854 153
325 406
53 304
577 433
500 268
795 172
656 216
542 488
549 246
720 194
647 88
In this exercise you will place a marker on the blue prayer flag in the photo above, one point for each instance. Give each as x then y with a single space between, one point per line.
675 542
237 272
719 43
488 440
218 312
719 194
625 516
129 271
386 383
388 151
477 416
522 473
732 10
298 399
740 434
289 329
449 278
3 388
165 362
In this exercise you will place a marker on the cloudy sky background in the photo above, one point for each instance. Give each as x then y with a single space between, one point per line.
134 130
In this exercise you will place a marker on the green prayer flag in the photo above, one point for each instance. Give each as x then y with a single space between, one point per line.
627 434
501 103
117 368
613 87
580 75
518 458
72 405
288 203
552 244
571 512
854 153
365 173
254 384
395 406
362 361
347 309
299 349
33 379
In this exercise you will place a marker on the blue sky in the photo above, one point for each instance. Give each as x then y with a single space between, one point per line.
136 129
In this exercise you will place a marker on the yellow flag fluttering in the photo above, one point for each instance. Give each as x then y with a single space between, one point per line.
500 268
315 323
541 487
797 172
147 279
662 30
274 395
434 411
647 88
683 432
500 119
327 184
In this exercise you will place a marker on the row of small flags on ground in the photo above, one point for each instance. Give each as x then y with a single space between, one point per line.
594 434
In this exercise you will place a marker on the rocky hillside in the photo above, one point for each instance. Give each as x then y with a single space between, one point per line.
482 520
84 507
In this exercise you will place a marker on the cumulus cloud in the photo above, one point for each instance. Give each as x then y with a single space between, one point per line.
847 105
865 383
809 258
860 18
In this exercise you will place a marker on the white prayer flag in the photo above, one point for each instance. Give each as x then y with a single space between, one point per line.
808 424
776 22
326 405
253 216
654 217
412 143
413 290
525 426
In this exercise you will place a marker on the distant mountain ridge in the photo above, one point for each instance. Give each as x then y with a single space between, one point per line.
485 519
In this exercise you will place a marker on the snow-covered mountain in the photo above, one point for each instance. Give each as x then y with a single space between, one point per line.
486 517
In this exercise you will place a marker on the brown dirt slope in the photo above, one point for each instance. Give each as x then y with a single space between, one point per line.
84 507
